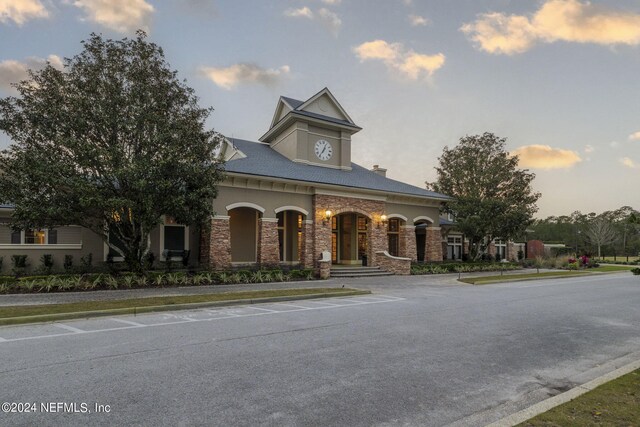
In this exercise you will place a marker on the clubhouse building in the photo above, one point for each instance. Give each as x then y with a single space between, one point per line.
294 197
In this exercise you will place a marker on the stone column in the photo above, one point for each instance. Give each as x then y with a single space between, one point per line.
268 244
511 251
408 246
433 251
491 249
215 244
306 257
377 238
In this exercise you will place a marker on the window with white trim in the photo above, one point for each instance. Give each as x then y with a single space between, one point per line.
454 247
174 238
501 249
35 237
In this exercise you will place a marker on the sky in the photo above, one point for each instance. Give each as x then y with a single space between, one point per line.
557 78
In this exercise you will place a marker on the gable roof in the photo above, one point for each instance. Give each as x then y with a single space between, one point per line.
262 160
297 108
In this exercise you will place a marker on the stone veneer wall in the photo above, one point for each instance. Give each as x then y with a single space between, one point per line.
306 258
268 243
512 254
215 244
395 265
433 250
409 248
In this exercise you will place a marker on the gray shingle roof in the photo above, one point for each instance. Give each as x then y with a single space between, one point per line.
262 160
295 103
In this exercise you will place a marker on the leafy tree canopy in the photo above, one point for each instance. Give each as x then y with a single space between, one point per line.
491 196
112 142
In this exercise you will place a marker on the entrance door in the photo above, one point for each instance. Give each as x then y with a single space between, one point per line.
348 238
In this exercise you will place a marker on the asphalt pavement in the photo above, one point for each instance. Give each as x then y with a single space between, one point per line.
416 352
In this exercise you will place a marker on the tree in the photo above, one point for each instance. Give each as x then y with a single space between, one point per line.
600 232
113 142
491 196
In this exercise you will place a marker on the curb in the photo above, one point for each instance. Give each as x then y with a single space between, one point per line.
530 279
552 402
170 307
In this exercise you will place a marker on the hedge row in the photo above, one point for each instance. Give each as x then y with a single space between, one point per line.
88 282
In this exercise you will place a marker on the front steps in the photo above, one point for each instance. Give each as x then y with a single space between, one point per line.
357 271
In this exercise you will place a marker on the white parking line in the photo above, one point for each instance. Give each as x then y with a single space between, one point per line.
69 328
180 319
127 322
265 309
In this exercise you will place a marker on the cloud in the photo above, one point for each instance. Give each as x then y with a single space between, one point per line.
614 144
332 2
635 136
12 71
626 161
397 58
303 12
417 20
589 149
230 77
556 20
21 11
545 157
329 19
124 16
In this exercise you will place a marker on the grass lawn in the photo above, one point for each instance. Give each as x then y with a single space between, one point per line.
616 403
46 309
546 274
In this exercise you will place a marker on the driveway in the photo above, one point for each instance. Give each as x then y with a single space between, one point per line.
416 352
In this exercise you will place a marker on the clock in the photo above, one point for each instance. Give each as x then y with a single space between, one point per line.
323 149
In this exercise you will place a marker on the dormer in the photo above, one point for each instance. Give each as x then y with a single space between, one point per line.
316 131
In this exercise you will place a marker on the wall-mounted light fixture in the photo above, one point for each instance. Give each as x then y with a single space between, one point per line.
383 221
327 217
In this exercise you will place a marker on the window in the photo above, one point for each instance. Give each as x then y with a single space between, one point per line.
34 237
501 249
454 247
174 238
393 234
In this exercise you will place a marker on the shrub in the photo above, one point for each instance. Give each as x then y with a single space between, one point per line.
129 280
1 258
520 255
19 264
68 263
86 262
149 259
635 271
47 263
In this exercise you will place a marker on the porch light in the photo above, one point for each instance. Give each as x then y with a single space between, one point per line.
383 221
327 216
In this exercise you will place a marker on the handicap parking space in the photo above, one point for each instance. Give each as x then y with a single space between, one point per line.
213 314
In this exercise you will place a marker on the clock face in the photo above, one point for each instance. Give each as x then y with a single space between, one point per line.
323 149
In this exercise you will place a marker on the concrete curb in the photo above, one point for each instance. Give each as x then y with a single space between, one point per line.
170 307
552 402
529 279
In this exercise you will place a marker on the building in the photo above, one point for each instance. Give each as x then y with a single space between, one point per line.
294 197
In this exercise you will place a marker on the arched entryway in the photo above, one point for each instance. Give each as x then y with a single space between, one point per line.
350 238
421 224
243 228
291 238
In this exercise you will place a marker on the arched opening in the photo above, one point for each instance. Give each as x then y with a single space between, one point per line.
395 239
290 235
349 238
243 225
421 224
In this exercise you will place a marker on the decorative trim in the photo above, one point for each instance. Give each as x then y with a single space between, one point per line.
423 218
434 228
324 165
245 205
221 217
307 221
388 255
291 208
27 246
402 217
408 227
268 219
